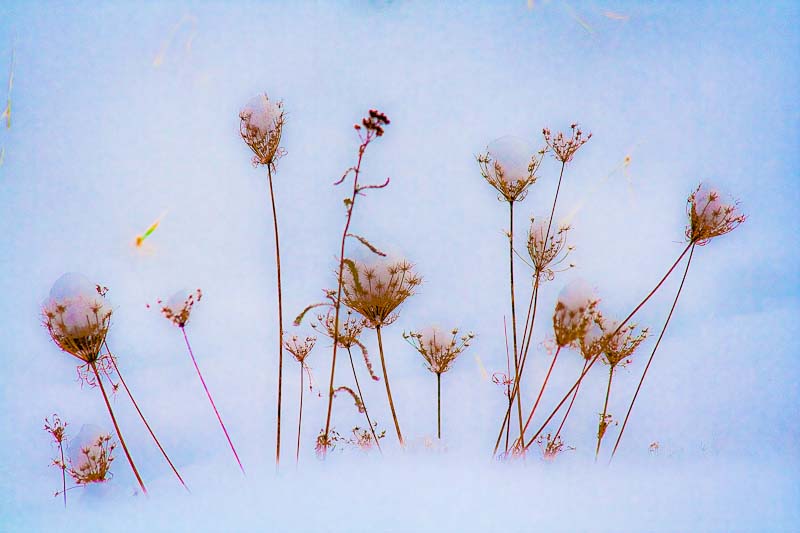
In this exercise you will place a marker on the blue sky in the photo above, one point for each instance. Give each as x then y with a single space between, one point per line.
104 139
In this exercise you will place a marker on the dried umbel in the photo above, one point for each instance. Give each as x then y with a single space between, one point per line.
574 312
91 455
77 316
261 126
509 167
178 308
564 147
709 216
618 344
376 291
349 334
300 348
545 248
439 349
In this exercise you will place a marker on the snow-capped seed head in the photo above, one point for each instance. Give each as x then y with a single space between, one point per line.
709 216
574 311
619 343
90 455
509 165
437 347
300 348
376 290
178 308
261 127
545 244
77 316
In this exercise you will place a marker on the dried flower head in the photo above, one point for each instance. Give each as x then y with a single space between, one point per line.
91 456
178 308
373 123
545 248
618 347
300 348
564 148
349 334
574 312
376 291
551 446
261 126
709 216
57 429
509 167
363 439
439 349
77 317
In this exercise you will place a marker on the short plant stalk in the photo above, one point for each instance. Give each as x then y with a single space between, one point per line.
141 415
299 417
439 405
363 403
601 428
211 400
388 389
650 360
63 474
116 428
280 323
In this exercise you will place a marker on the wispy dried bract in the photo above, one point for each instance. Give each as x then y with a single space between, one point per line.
376 291
438 348
351 392
563 147
349 334
545 249
300 348
574 313
178 308
261 127
709 216
508 167
77 317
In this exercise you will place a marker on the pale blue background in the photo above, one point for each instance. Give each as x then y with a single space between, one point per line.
102 142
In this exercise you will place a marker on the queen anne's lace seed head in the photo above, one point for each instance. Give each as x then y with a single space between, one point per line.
300 348
509 166
261 127
563 147
709 216
77 316
377 290
178 308
438 348
574 312
91 455
545 248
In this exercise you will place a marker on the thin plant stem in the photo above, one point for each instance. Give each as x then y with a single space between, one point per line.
601 428
541 391
388 389
514 316
63 473
210 399
280 321
508 392
141 415
337 304
591 363
571 403
363 403
652 354
116 428
300 417
439 404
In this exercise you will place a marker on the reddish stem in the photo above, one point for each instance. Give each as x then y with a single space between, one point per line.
280 323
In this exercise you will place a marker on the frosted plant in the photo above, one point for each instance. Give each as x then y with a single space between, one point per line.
58 431
91 455
439 350
77 318
376 291
300 350
564 147
178 310
261 127
573 313
709 216
509 166
545 249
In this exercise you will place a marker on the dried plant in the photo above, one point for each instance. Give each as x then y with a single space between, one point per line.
709 216
564 147
177 310
376 291
261 127
57 430
300 350
508 166
551 446
92 456
545 250
77 318
439 351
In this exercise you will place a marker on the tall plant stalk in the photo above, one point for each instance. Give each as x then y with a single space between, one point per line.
116 427
363 403
388 388
300 416
514 317
652 354
601 428
280 320
211 400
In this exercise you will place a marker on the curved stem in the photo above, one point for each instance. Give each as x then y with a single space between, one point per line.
210 399
300 417
650 360
514 316
601 428
280 320
141 415
388 389
116 428
363 403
